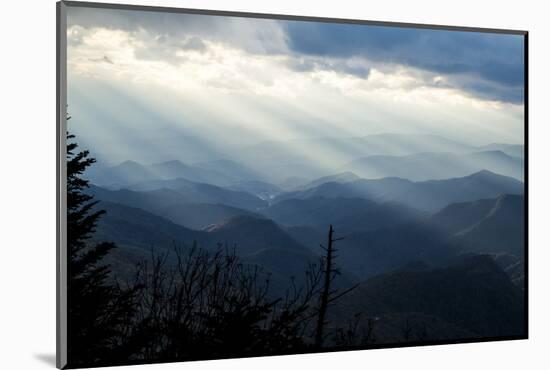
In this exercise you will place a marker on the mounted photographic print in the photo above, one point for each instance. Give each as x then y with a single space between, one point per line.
235 185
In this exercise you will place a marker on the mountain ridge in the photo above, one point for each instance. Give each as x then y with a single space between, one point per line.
436 165
430 196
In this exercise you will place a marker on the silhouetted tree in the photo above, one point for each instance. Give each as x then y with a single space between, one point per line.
328 295
97 306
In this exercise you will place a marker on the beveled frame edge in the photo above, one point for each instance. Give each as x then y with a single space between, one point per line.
288 17
61 186
526 180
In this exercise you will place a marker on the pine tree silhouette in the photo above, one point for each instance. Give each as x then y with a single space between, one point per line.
97 307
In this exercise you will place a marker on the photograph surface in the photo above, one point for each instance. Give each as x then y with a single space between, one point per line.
244 186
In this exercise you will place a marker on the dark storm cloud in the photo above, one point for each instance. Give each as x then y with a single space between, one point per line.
487 66
495 59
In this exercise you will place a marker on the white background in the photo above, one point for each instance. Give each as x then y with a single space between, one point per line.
27 172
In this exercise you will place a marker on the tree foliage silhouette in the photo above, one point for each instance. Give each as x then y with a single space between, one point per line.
97 306
199 304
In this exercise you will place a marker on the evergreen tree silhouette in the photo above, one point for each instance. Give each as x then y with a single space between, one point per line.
97 307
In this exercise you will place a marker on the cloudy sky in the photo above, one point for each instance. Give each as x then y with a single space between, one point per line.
245 80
